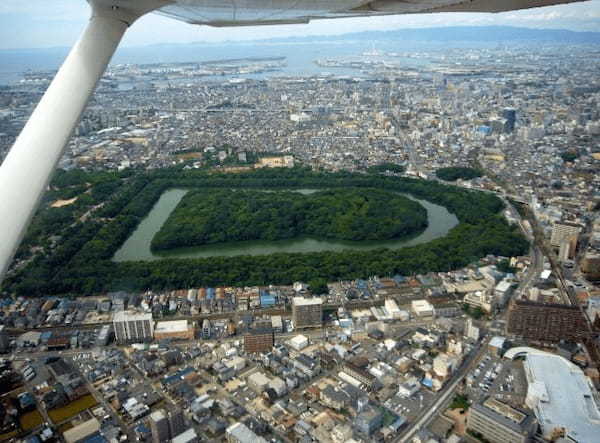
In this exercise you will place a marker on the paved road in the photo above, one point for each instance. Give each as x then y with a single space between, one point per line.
445 397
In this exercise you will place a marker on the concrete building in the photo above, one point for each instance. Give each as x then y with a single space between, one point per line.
546 322
178 329
564 231
422 308
307 312
188 436
593 307
590 266
298 342
496 345
480 299
443 366
567 249
502 292
240 433
82 431
258 382
360 373
285 161
206 329
368 421
260 339
159 426
277 324
132 327
497 422
471 331
104 336
562 397
166 426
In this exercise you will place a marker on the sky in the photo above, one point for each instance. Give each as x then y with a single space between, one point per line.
56 23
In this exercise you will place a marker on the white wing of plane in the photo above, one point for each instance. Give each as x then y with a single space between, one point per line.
259 12
28 167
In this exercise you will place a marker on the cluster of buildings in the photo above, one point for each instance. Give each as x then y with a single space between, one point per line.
511 342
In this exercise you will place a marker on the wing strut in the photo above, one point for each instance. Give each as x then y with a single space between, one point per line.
26 171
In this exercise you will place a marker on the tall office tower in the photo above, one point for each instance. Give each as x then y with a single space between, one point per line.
307 312
131 327
510 115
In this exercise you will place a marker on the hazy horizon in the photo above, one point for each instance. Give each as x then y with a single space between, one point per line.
40 24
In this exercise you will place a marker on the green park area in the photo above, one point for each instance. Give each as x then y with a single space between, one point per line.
63 413
31 420
453 173
213 216
78 251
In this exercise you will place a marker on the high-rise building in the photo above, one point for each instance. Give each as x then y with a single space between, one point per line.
166 426
566 250
564 231
471 331
176 423
131 327
510 115
159 425
259 339
307 312
498 422
206 329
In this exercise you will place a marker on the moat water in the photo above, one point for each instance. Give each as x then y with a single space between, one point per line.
137 246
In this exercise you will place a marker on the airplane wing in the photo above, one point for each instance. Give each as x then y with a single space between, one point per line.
265 12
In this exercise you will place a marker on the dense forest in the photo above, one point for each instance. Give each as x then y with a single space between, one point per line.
81 262
215 216
453 173
386 167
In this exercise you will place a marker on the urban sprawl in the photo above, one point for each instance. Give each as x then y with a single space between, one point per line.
504 350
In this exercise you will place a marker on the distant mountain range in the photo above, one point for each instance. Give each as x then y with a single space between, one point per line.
463 33
439 34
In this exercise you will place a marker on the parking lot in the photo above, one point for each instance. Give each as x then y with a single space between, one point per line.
497 377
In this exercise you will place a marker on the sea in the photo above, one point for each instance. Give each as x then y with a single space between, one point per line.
300 56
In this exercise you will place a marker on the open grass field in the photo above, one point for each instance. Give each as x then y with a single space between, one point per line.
31 420
9 435
59 415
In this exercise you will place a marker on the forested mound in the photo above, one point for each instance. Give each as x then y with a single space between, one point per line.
453 173
80 262
215 216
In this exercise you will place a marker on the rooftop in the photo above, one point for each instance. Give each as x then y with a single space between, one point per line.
171 326
131 316
502 413
560 394
301 301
